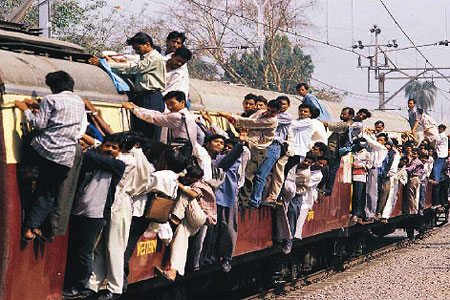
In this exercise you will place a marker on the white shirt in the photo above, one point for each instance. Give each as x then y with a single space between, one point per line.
378 151
442 145
319 133
177 79
302 131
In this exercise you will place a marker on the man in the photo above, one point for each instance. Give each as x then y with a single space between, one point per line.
261 132
149 75
338 139
261 103
439 163
100 174
282 135
379 127
180 123
308 98
414 169
249 105
58 124
175 40
177 76
414 119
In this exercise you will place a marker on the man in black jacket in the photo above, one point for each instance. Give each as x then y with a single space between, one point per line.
99 176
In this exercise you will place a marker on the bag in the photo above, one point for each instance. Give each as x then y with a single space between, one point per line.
159 207
195 215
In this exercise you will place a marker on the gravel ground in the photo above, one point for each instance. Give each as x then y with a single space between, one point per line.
421 271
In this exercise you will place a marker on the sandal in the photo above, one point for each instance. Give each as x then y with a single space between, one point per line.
28 236
41 237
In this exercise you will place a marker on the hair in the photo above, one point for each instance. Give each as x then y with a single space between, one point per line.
414 101
115 138
184 53
130 139
177 35
302 84
379 122
175 160
212 137
315 113
261 99
408 144
231 141
284 98
178 95
310 156
351 111
59 81
194 171
274 104
420 111
425 156
324 157
386 137
442 126
140 38
415 150
251 97
322 147
305 105
366 112
157 48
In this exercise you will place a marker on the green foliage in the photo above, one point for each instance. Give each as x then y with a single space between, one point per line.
283 66
424 92
201 69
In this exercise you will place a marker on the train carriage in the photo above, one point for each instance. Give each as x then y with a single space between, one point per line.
35 270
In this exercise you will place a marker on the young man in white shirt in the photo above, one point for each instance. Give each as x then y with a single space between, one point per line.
177 76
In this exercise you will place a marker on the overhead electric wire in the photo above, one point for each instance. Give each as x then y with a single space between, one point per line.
342 90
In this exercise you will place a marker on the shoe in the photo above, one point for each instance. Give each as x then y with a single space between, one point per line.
226 266
28 235
74 293
287 247
108 295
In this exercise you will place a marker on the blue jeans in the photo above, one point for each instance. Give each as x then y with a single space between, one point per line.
437 168
273 154
294 212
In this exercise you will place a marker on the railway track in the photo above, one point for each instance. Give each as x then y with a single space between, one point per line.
317 280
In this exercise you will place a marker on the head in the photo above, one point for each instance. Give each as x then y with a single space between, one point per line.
379 126
430 150
411 103
347 113
285 103
323 161
308 161
408 148
249 102
141 42
229 145
319 149
273 108
111 145
261 103
304 111
175 40
315 113
215 144
179 58
359 144
175 101
193 174
302 89
175 160
382 138
442 128
403 161
59 81
415 153
423 158
130 140
362 114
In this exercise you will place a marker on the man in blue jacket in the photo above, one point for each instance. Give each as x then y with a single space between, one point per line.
308 98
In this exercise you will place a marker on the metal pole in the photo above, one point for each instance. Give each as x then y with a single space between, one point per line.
44 17
381 90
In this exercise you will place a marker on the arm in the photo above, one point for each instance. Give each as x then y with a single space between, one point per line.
97 119
188 191
42 116
106 163
338 127
142 66
172 120
231 157
254 123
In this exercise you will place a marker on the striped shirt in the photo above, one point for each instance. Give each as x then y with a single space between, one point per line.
58 123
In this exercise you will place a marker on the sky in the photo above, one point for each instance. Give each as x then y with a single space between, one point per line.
424 21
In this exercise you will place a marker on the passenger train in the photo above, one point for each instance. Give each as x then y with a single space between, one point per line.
36 270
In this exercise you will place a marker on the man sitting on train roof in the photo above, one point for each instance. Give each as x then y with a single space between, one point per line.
249 105
58 123
308 98
177 76
150 79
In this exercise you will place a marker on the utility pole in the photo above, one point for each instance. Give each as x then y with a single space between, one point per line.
44 17
260 6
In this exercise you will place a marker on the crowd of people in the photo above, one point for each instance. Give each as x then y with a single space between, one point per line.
182 176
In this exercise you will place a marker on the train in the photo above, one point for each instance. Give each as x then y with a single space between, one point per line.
36 270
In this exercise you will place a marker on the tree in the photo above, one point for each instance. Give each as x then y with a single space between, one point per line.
424 92
281 69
